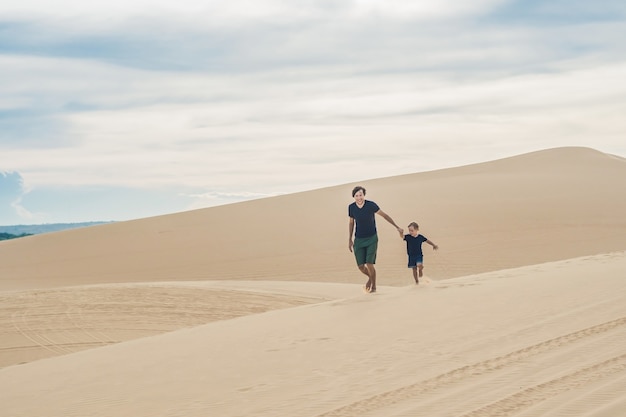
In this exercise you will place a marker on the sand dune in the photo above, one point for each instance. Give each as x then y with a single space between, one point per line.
539 207
44 323
538 340
187 315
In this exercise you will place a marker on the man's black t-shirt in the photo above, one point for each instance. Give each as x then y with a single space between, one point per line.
364 218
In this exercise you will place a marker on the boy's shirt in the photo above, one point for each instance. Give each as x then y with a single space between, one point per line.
414 244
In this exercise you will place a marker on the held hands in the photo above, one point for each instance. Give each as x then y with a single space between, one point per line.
400 231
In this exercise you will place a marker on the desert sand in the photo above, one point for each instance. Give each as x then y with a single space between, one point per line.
522 311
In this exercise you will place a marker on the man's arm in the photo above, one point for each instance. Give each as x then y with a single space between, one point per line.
390 220
351 230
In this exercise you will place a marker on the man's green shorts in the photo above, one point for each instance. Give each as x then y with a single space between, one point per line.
365 249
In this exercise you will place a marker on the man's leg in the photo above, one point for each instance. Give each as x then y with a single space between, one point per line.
370 260
372 275
364 269
365 252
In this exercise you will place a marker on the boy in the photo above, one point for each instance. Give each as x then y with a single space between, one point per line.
414 250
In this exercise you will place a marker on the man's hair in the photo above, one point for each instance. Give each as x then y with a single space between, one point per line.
357 189
414 225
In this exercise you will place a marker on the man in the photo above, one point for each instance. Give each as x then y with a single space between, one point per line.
365 242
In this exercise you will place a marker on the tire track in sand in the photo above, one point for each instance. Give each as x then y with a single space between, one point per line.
515 403
407 392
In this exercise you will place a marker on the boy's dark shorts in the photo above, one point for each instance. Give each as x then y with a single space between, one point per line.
365 249
415 260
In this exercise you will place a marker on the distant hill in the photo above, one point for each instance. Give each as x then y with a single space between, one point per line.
35 229
7 236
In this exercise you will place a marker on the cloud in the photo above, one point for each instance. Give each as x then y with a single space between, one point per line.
11 185
215 102
216 198
66 203
361 36
401 9
12 190
305 134
559 12
20 128
244 10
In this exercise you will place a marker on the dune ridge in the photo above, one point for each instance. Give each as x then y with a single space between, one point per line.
532 208
522 314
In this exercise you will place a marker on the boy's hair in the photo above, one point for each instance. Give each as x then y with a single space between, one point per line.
357 189
414 225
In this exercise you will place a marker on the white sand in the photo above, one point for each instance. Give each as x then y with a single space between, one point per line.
181 316
540 339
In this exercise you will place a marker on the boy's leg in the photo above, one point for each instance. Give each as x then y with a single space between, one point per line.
413 263
421 267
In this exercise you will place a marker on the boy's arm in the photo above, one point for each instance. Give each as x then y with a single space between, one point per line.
390 220
431 243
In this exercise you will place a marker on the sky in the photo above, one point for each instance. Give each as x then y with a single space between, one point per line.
118 110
